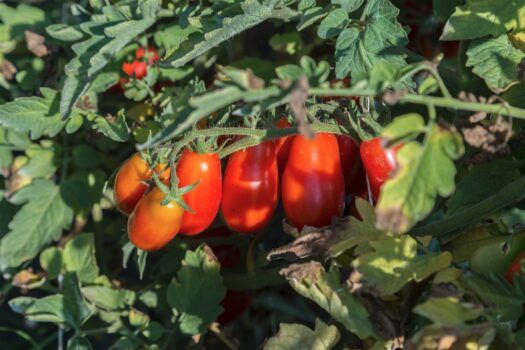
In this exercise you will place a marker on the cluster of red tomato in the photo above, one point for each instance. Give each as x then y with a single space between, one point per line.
314 176
138 68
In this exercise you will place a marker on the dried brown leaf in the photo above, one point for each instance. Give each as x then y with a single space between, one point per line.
36 43
297 106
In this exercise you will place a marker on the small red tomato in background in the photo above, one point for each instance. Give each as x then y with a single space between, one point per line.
250 188
282 145
378 163
353 170
130 182
205 198
153 55
140 69
151 225
515 268
235 302
313 187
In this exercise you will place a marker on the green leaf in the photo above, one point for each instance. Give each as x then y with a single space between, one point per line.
78 310
357 231
197 292
40 221
79 343
325 289
116 130
349 5
140 260
444 9
481 182
254 13
173 36
48 309
298 337
403 126
18 20
79 257
107 35
86 157
496 61
448 311
154 331
333 24
394 262
108 298
51 261
382 41
37 115
478 18
313 15
499 296
423 172
83 189
64 32
41 162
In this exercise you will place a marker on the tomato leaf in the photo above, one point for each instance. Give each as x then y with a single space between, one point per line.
107 298
394 262
196 293
51 261
116 130
423 172
333 24
40 221
478 18
382 41
79 257
254 13
500 73
404 126
298 337
325 289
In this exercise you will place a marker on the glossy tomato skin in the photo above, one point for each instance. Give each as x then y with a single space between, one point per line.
313 188
130 183
282 145
205 198
250 188
378 163
151 225
353 170
515 268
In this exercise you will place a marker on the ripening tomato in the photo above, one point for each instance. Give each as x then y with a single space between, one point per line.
353 170
153 55
282 145
378 163
250 188
515 268
130 182
313 187
152 225
205 198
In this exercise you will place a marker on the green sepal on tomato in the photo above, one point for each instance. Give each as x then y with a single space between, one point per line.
204 170
313 188
250 188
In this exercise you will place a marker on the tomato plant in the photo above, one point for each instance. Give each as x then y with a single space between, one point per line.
262 174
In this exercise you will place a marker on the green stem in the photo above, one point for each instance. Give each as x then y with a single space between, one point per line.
446 228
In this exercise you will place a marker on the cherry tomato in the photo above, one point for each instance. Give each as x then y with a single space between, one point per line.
205 198
128 68
378 163
313 187
153 55
515 268
250 188
353 170
282 145
234 303
151 225
140 69
130 182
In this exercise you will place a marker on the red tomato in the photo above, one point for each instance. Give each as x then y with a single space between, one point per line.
250 188
353 170
153 55
313 187
128 68
378 163
151 225
130 182
140 69
205 198
515 268
234 303
282 145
